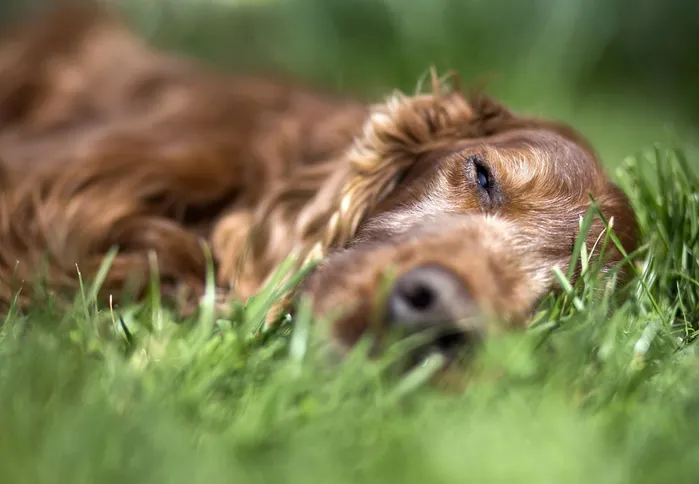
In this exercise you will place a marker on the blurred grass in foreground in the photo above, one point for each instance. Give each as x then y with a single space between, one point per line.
598 391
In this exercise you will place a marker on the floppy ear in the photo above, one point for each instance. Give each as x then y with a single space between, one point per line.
618 216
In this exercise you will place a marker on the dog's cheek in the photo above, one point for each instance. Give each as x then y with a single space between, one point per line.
344 294
351 325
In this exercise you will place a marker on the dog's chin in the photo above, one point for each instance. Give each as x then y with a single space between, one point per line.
450 352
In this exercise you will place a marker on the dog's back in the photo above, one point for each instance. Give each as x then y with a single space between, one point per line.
105 141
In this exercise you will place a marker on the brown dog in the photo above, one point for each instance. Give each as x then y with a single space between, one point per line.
105 142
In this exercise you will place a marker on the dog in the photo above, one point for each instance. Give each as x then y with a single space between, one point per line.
107 142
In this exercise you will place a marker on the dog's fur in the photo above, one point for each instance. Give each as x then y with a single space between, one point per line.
105 141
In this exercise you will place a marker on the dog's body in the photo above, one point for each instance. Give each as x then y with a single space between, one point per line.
106 142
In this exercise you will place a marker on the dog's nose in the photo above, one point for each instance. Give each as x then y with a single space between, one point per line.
431 297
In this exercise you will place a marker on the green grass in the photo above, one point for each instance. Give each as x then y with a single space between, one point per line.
602 389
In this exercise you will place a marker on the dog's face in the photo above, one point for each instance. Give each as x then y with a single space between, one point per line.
467 242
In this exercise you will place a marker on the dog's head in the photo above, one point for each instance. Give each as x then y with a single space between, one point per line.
456 212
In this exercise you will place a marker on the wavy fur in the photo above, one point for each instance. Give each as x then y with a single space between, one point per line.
107 142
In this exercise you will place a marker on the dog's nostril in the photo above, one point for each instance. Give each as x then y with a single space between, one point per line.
420 296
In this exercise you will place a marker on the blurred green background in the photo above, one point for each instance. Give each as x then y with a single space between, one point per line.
624 72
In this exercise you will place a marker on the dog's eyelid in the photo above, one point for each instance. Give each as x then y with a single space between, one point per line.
476 159
479 162
402 175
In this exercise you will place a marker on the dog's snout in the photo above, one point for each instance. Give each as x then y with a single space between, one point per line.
433 298
429 296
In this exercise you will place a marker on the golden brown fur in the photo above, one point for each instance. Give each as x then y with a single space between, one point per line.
106 142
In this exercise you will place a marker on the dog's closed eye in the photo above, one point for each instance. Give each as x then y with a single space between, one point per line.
482 177
477 169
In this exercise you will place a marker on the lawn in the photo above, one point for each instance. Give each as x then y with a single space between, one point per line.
601 389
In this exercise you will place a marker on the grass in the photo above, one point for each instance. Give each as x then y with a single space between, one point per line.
601 389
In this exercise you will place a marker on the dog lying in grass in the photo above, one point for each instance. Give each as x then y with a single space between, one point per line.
108 142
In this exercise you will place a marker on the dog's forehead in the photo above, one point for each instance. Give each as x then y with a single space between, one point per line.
548 141
546 152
